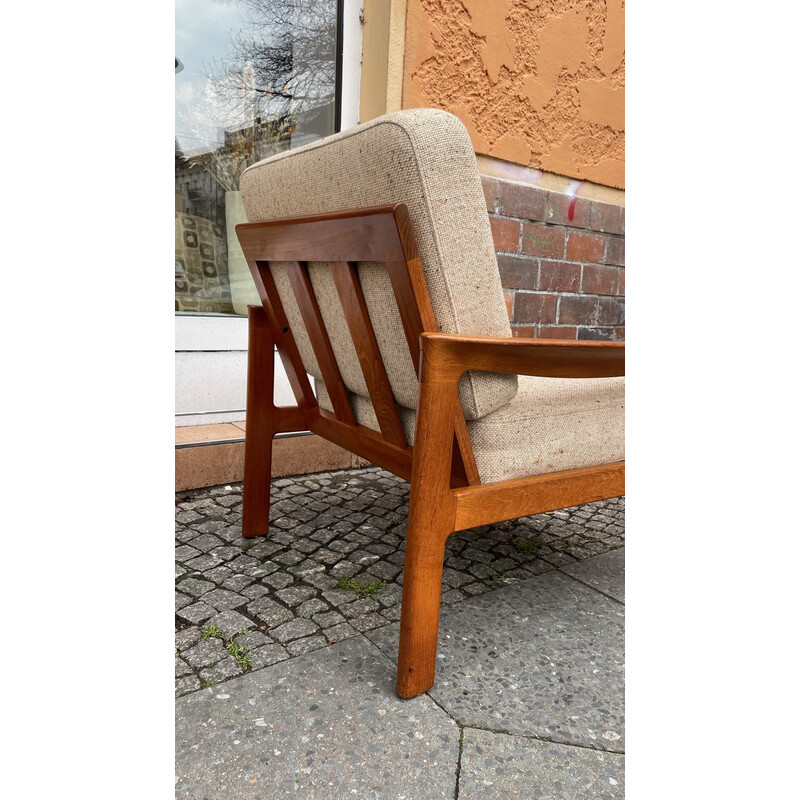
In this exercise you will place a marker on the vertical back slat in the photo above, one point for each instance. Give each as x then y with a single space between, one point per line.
413 301
287 348
297 273
355 311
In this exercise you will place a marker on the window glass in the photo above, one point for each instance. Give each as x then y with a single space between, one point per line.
252 78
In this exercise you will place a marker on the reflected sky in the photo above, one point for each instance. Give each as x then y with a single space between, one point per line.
203 31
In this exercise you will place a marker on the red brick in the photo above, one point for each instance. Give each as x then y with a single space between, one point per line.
557 210
615 252
505 233
509 298
559 276
599 280
621 289
611 311
586 247
525 202
558 332
490 192
606 217
619 334
577 310
543 240
524 331
518 272
534 307
597 334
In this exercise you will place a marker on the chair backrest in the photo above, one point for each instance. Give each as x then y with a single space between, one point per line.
422 158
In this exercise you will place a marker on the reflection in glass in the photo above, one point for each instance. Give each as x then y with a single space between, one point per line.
257 77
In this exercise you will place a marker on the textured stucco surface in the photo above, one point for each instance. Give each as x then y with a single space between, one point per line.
540 84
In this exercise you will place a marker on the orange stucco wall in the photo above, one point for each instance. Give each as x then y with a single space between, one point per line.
536 83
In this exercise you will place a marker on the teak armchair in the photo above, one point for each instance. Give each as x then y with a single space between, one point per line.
381 292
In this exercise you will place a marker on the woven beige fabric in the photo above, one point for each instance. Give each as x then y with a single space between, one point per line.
423 158
552 424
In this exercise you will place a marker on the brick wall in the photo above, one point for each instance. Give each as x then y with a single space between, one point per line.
561 260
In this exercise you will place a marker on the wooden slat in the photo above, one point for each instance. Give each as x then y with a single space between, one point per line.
453 354
297 273
416 312
368 235
363 442
355 311
495 502
287 348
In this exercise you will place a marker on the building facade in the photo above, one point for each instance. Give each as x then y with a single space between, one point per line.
538 85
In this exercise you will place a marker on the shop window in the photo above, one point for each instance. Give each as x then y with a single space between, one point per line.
252 78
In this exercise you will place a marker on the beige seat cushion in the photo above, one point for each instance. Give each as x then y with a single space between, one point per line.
552 424
423 158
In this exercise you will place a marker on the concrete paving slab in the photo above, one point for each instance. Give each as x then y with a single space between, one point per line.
323 725
495 766
605 572
543 657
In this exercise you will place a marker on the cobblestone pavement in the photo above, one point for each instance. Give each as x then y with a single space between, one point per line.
331 567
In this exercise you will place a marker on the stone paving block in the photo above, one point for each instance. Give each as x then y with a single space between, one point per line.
196 613
188 683
267 655
252 640
312 607
188 637
543 658
182 668
323 725
182 600
236 583
294 630
185 552
223 600
195 587
296 594
254 591
205 653
495 766
605 572
339 632
230 623
203 563
206 542
306 645
278 580
224 668
269 612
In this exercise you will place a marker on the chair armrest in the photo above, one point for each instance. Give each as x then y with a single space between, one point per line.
446 356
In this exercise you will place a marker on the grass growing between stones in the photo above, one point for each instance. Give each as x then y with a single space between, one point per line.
527 546
211 632
242 659
362 590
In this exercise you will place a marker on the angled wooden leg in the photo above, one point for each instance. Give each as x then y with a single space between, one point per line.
260 425
431 517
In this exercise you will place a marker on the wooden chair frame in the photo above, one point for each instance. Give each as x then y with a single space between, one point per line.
446 492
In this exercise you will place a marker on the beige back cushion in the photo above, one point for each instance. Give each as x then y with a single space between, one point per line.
423 158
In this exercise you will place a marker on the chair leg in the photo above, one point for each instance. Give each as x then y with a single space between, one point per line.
259 425
419 620
431 519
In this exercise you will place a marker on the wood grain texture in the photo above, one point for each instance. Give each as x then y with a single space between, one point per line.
348 287
297 273
449 355
431 519
521 497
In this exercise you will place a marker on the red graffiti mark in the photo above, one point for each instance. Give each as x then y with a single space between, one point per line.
571 213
